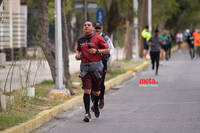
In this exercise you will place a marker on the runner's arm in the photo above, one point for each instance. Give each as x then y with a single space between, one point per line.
78 53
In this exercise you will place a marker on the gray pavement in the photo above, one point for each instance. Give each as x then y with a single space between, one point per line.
172 106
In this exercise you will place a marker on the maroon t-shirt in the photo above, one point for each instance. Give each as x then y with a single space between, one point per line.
96 42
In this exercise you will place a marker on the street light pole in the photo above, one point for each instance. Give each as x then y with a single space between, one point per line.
150 15
135 22
58 39
85 9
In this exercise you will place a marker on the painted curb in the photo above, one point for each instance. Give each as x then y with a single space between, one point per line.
118 79
43 117
47 115
140 67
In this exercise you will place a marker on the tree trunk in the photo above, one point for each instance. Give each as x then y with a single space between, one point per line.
70 30
68 17
143 24
43 38
128 42
126 39
65 42
112 19
0 2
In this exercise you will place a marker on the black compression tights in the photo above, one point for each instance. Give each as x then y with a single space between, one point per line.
86 100
155 57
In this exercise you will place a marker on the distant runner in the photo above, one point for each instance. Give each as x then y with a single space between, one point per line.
170 42
146 35
165 45
179 39
197 42
156 43
190 42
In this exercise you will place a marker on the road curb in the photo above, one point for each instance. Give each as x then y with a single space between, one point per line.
118 79
140 67
47 115
43 117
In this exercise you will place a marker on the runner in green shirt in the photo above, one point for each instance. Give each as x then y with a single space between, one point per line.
165 46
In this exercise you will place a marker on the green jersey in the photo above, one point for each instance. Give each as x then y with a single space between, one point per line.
165 38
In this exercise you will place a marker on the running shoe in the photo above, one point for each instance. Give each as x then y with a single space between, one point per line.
156 72
152 67
101 103
87 118
96 111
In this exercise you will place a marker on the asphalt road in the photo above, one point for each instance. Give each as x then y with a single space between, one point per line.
172 106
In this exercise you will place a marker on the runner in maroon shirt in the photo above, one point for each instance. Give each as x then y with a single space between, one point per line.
89 50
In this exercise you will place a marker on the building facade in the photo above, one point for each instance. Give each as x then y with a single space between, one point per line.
13 29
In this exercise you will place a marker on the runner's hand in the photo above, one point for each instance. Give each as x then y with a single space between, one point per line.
92 51
78 56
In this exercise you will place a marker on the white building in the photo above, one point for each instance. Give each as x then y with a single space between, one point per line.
13 28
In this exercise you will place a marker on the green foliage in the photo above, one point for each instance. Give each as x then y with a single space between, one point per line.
187 16
173 14
118 35
43 89
163 10
9 119
69 6
51 11
30 3
111 73
32 28
128 63
126 8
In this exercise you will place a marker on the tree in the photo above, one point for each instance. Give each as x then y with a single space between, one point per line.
43 38
67 9
44 41
163 11
143 23
118 13
126 12
112 15
186 16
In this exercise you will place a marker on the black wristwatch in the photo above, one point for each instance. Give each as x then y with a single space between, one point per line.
97 51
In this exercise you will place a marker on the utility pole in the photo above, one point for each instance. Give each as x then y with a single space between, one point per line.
150 15
85 9
58 39
135 24
59 91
